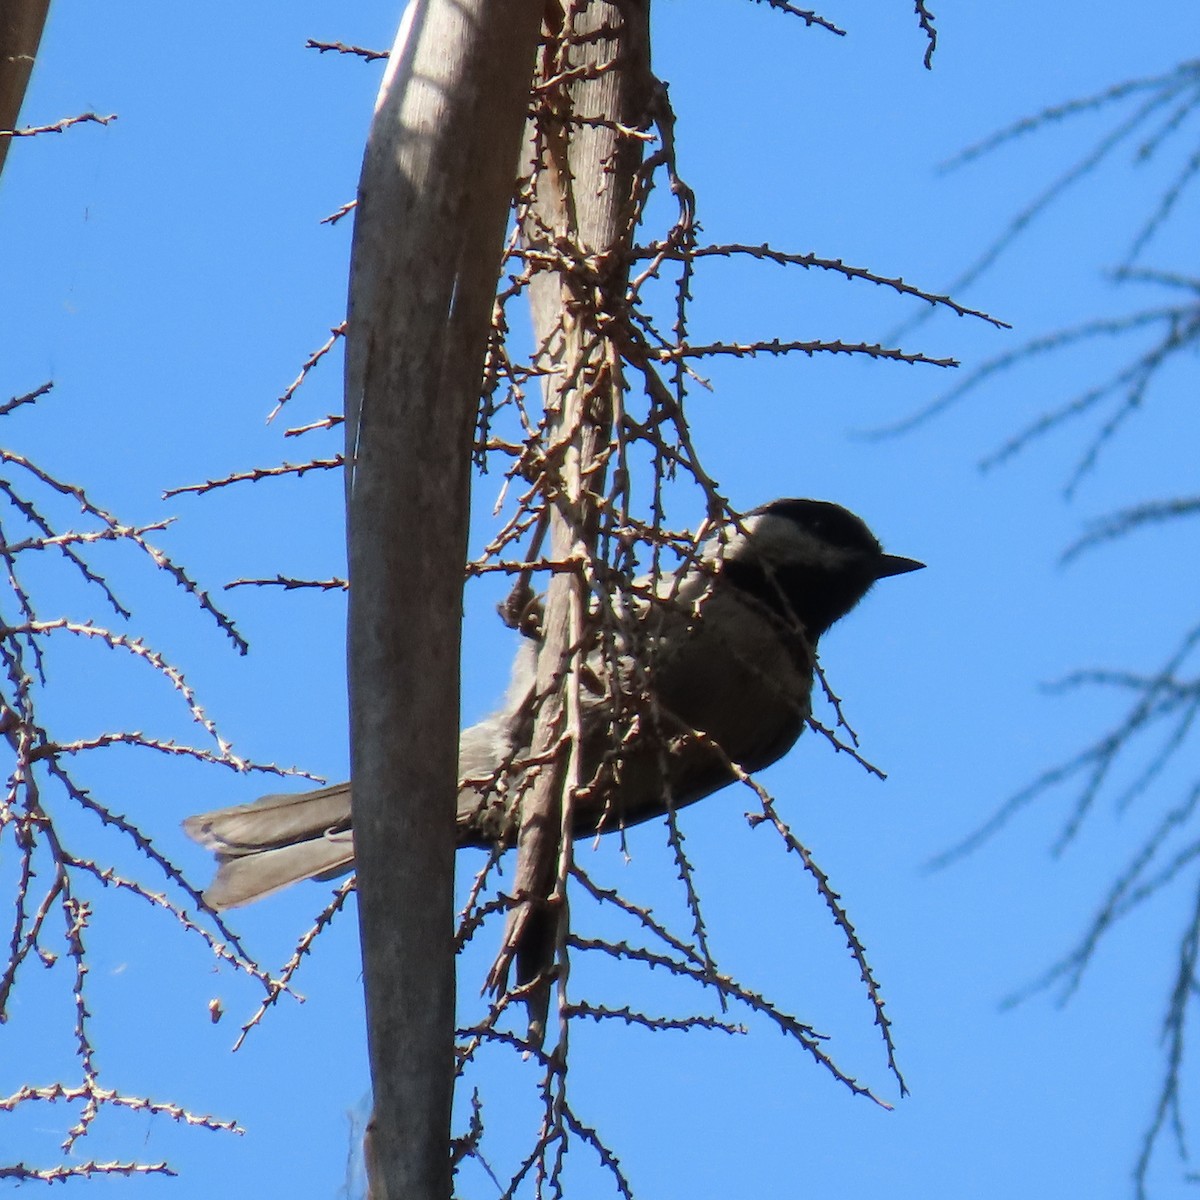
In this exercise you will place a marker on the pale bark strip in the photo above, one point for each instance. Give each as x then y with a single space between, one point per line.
433 202
21 24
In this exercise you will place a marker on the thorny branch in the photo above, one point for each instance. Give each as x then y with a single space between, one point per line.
57 893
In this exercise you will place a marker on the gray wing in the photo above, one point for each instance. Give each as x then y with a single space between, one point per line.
735 674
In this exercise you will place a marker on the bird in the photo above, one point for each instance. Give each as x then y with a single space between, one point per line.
706 673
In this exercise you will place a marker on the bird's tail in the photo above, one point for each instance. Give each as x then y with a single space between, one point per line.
274 842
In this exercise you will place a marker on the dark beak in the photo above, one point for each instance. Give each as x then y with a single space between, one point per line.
893 564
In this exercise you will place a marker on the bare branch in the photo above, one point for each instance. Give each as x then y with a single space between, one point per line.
342 48
57 126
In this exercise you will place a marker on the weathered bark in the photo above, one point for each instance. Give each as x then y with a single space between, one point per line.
437 179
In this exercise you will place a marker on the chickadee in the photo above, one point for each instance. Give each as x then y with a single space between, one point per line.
723 647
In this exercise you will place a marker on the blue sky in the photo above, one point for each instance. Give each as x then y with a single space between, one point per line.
169 274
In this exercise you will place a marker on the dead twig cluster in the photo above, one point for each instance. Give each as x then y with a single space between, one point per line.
57 891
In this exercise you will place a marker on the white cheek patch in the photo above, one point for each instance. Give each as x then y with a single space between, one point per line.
780 541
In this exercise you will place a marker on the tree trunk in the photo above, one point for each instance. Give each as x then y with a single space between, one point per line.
21 24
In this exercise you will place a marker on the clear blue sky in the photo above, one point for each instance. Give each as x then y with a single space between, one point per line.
169 274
